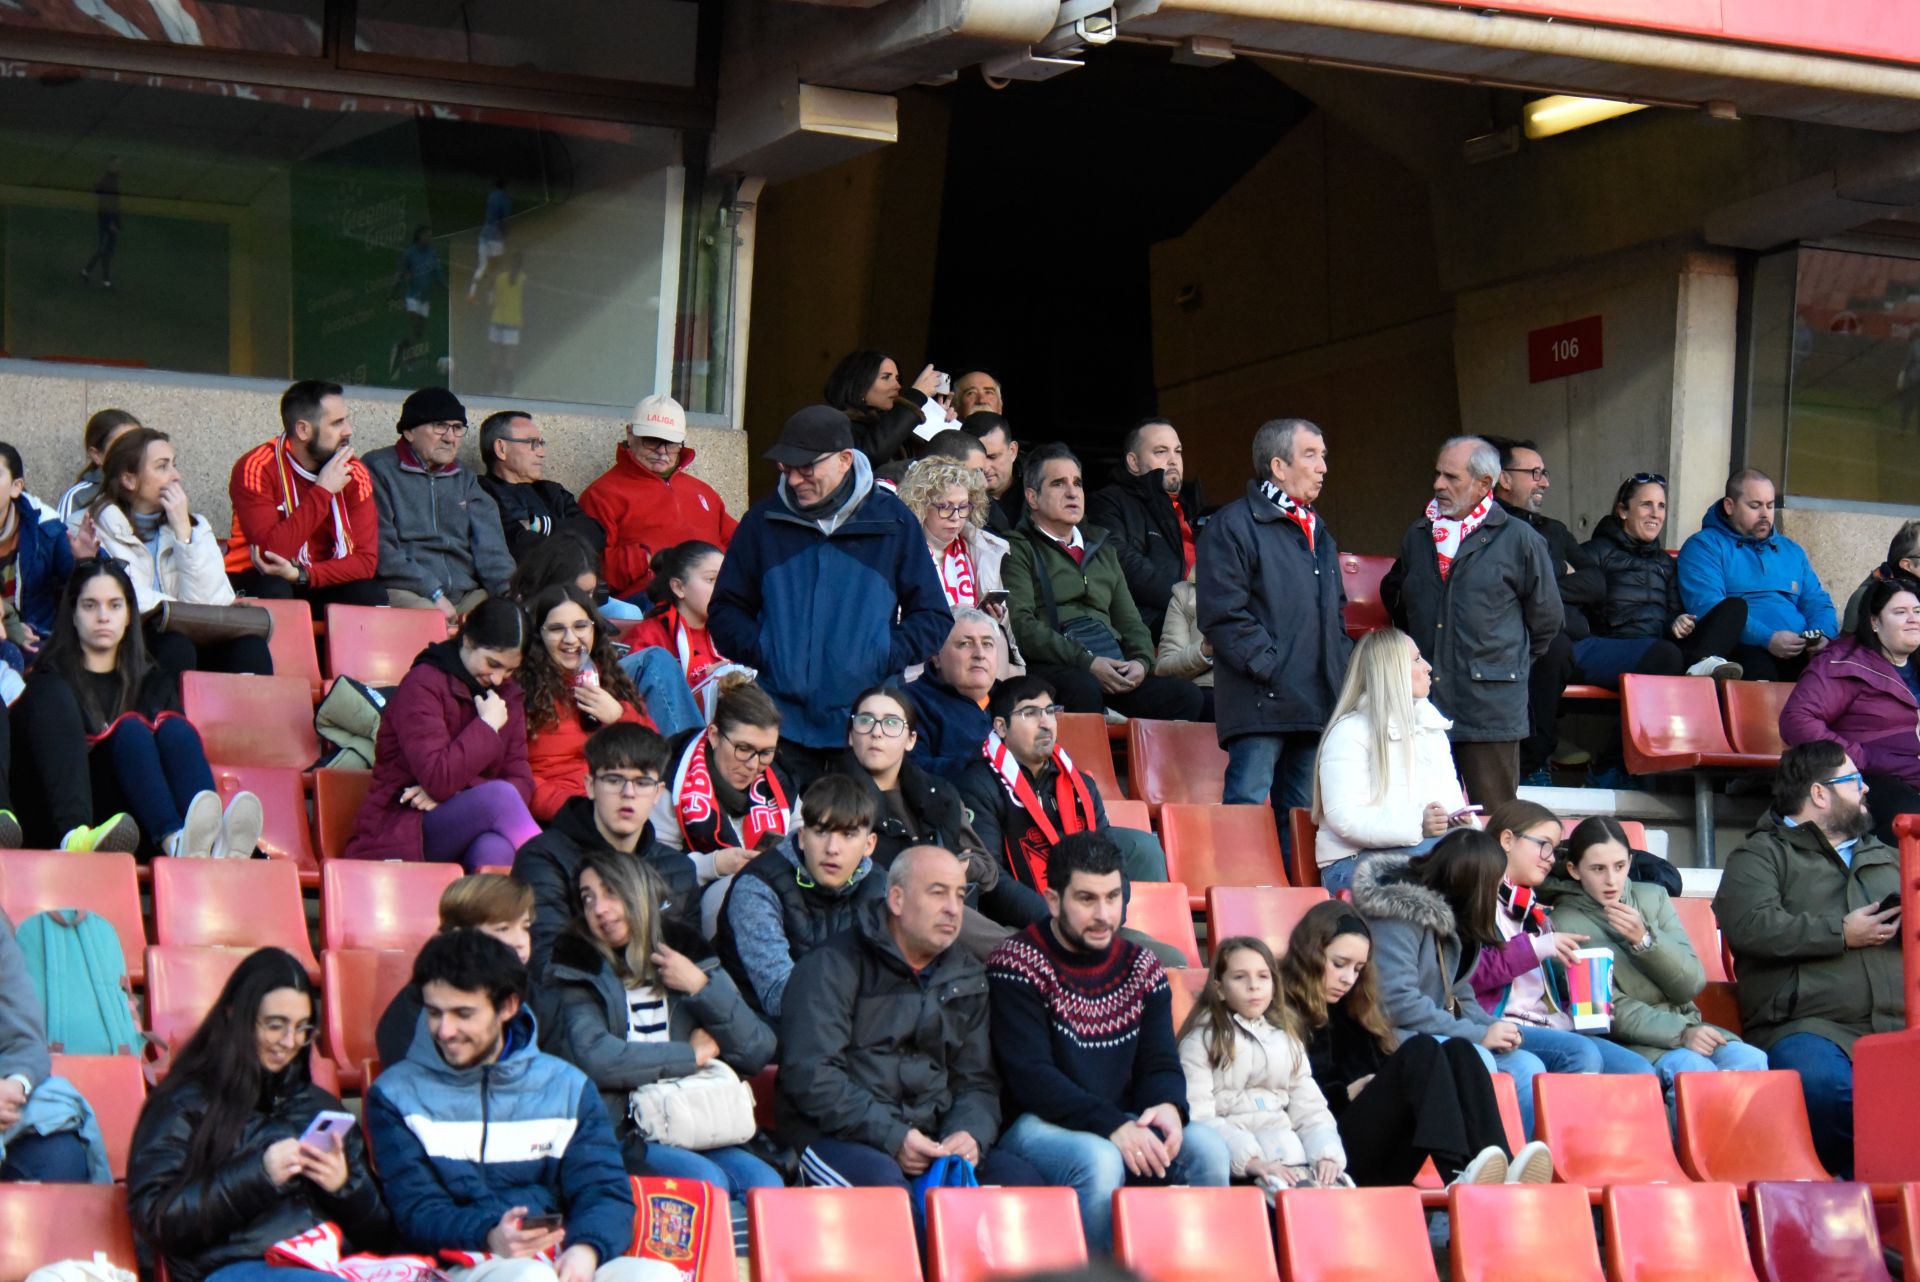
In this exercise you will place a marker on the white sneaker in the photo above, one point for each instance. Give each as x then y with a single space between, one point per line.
1488 1167
1533 1164
1718 668
240 827
200 829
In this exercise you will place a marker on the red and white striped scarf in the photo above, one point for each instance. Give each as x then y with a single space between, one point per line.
704 821
1449 534
1070 796
957 575
319 1249
284 470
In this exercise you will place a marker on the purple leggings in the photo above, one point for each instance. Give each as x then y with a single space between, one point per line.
478 826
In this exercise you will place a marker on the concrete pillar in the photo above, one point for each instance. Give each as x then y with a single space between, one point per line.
1700 453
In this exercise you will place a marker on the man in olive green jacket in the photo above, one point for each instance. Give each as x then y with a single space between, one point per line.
1817 962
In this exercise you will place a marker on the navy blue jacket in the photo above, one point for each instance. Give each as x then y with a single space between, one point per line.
952 727
825 608
44 563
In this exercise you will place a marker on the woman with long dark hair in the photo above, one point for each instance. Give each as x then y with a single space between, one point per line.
217 1174
100 731
573 685
866 387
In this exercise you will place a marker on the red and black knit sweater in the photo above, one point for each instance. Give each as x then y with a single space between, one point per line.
1082 1040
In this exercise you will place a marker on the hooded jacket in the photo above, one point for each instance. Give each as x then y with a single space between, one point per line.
1423 966
550 865
644 513
1094 589
1642 589
460 1147
826 606
1351 818
439 531
871 1048
774 915
42 563
531 512
237 1213
1263 1102
1853 695
1137 513
1576 577
430 735
1773 574
952 727
1780 904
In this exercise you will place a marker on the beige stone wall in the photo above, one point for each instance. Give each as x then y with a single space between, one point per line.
214 421
1845 546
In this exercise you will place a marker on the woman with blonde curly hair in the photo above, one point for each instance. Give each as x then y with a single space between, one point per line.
950 499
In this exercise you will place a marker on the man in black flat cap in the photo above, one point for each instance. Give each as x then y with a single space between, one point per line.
827 588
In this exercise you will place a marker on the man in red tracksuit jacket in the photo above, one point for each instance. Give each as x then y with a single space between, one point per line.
647 502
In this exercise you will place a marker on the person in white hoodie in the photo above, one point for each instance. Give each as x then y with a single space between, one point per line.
1384 779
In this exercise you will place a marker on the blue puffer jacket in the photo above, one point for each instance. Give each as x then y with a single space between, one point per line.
1773 574
539 1121
826 607
45 562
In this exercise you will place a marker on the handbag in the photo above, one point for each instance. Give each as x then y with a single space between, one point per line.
710 1108
1087 632
212 624
949 1172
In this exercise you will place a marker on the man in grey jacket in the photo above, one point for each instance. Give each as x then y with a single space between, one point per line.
1475 589
59 1158
441 545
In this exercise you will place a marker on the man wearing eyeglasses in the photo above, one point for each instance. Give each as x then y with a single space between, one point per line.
648 502
441 545
532 508
1522 490
1816 944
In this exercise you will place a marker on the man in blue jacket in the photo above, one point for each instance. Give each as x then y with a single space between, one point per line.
827 588
1737 553
479 1133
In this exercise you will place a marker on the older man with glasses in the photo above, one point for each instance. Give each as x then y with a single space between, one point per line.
648 501
441 545
532 508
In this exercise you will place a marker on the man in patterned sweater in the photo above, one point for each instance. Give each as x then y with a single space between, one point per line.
1082 1025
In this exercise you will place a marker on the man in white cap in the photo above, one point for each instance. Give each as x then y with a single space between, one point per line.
646 502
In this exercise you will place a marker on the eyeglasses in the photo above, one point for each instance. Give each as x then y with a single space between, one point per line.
276 1028
1034 713
1545 843
1856 777
747 752
534 442
614 781
1537 473
806 469
582 627
446 429
1647 478
890 727
950 510
654 445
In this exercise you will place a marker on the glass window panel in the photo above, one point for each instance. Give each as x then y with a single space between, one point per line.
649 41
258 26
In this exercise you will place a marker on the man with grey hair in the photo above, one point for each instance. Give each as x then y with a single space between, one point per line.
1270 600
1475 590
950 695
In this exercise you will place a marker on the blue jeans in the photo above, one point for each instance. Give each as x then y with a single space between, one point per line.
159 770
732 1169
1338 875
1092 1167
1826 1079
1734 1057
1522 1066
59 1158
664 689
261 1271
618 611
1276 768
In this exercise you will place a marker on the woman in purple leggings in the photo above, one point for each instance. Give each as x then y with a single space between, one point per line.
450 777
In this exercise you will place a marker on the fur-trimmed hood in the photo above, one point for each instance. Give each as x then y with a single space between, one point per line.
1381 889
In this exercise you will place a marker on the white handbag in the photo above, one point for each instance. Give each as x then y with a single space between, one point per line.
708 1109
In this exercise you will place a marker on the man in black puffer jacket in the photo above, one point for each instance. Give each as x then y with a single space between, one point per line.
1154 515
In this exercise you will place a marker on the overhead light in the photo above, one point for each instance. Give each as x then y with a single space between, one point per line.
1545 117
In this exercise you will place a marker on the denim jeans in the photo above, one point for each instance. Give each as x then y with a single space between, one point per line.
1522 1066
1734 1057
732 1169
1338 875
261 1271
664 689
1093 1168
1826 1079
1276 768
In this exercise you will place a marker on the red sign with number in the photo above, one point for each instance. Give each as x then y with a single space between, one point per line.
1560 350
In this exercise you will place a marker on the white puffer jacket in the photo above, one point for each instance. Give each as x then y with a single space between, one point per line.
1351 820
194 572
1264 1102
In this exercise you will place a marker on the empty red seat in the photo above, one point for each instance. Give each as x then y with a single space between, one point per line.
1803 1232
1659 1232
1084 737
1161 909
252 721
1703 932
1605 1128
1215 845
359 984
1178 761
1342 1235
1886 1127
1753 715
1267 913
292 645
1510 1232
337 798
1186 986
285 834
231 903
1303 835
1740 1127
1122 813
1673 723
1910 1231
377 643
1194 1234
975 1235
182 984
364 904
832 1235
117 1089
42 1223
35 881
1580 690
1360 578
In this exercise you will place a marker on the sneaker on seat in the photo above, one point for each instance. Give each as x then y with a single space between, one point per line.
120 834
1718 668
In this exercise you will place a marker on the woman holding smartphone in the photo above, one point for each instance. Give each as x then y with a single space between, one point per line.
950 499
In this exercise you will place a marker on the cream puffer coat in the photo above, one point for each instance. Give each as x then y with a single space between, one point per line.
1351 820
194 572
1263 1102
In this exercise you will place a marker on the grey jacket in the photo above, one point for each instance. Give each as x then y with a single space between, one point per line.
1482 626
23 1024
439 531
1417 953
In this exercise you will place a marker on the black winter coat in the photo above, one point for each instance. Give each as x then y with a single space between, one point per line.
550 863
1642 584
532 513
886 435
1582 588
1271 606
238 1213
1136 512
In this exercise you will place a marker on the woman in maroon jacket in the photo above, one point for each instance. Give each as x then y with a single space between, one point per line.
450 776
1863 692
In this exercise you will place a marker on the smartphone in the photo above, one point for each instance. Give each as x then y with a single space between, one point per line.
998 597
541 1223
945 386
1891 901
326 1128
1811 635
1465 811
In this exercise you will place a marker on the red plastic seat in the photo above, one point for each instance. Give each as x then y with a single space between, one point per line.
831 1235
117 1089
1124 813
1194 1234
34 881
1179 761
1605 1128
1910 1231
1886 1125
1186 985
1303 835
1214 845
286 834
359 984
1267 913
975 1235
1659 1232
1360 577
1802 1232
1703 932
377 643
337 798
1580 690
231 903
1341 1235
1509 1232
1740 1127
292 645
1084 736
42 1223
1753 715
1162 909
1673 723
364 904
183 984
1635 830
252 721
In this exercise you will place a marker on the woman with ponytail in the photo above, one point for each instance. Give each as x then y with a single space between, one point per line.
672 653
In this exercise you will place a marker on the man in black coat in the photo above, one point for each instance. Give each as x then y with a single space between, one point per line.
1007 499
1154 515
532 510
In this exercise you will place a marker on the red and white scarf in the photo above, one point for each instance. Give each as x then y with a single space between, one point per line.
957 574
704 821
1070 796
319 1249
1449 534
284 470
1301 514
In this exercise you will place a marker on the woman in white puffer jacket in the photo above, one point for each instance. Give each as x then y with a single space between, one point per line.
1384 779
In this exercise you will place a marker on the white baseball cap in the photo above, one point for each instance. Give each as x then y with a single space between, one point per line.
660 417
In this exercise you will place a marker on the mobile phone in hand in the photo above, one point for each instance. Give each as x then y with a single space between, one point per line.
1891 901
326 1128
541 1223
997 597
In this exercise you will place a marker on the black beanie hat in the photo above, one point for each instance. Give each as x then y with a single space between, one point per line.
431 405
